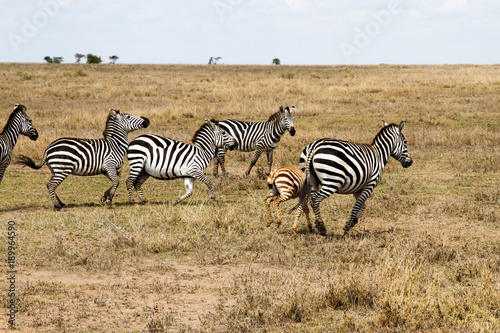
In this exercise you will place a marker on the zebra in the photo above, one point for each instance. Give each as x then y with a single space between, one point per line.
285 184
256 136
164 158
18 123
89 157
336 166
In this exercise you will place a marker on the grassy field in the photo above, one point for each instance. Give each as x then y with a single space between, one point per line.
424 257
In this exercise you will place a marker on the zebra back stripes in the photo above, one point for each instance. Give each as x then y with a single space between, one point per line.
256 136
164 158
18 123
336 166
285 184
88 157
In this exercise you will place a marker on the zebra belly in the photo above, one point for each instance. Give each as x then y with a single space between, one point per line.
166 171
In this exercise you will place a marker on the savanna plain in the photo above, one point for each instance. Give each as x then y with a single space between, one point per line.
425 256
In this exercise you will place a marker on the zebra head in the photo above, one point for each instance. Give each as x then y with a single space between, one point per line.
400 149
287 119
130 122
222 138
27 127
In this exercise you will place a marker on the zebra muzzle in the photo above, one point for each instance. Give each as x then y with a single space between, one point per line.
292 131
146 122
33 136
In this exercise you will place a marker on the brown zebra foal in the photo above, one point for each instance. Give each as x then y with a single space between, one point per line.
284 184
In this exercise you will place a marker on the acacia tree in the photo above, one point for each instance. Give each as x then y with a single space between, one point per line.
78 57
93 59
54 60
276 61
113 59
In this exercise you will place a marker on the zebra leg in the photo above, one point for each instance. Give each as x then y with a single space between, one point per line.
138 183
316 199
297 217
267 201
110 193
130 183
255 157
279 199
358 208
3 166
219 159
269 160
188 183
216 163
52 185
309 225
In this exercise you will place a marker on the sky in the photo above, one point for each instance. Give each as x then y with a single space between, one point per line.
298 32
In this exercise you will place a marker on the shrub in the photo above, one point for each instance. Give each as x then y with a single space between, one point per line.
93 59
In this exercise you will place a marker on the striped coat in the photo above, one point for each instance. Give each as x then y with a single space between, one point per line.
285 184
336 166
88 157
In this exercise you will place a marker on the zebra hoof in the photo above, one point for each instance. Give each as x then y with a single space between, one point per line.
108 202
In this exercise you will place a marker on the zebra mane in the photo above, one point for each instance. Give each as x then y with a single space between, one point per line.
275 116
195 135
385 128
16 110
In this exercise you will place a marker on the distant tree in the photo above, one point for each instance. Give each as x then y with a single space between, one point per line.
53 60
93 59
113 59
211 60
276 61
215 60
78 57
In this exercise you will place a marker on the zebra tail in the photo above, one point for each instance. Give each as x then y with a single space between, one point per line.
26 161
305 191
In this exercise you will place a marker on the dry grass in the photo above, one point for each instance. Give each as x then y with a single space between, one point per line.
424 257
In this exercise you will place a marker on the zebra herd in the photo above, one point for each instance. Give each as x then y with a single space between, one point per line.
327 166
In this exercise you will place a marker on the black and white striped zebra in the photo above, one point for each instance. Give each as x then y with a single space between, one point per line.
256 136
336 166
164 158
18 123
88 157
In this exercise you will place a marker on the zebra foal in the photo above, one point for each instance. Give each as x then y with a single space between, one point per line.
285 184
335 166
256 136
164 158
18 123
89 157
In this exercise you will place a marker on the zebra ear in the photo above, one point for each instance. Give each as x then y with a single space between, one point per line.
210 123
281 109
113 113
402 126
384 123
292 108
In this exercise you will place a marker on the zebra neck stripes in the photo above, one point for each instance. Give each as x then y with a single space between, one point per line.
18 123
